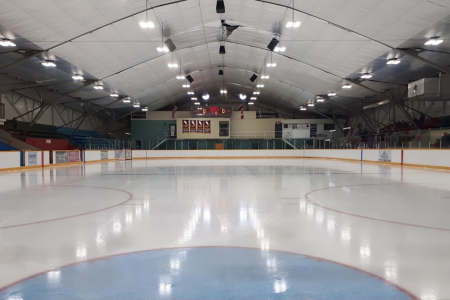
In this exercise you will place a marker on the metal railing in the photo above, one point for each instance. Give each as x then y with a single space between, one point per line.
255 134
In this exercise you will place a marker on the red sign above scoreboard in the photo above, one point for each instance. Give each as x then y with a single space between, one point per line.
211 111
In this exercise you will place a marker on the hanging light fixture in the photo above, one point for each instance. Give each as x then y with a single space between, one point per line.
49 63
77 77
320 99
114 95
136 105
145 108
366 76
293 23
393 61
256 93
347 86
434 41
302 107
205 96
147 23
332 94
126 100
271 64
172 64
242 96
6 43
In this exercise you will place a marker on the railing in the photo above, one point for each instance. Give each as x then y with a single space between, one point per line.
255 134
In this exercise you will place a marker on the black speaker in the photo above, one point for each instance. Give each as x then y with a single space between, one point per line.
220 7
170 45
222 50
273 43
189 78
253 78
220 72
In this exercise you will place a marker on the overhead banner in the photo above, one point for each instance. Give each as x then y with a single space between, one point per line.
207 126
313 130
385 155
193 126
185 126
199 126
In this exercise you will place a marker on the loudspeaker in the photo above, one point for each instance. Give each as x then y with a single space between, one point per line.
253 78
170 45
220 72
222 50
220 7
189 78
273 43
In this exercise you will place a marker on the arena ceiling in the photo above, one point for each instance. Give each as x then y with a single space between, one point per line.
337 42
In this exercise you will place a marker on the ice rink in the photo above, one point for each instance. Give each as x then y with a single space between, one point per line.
225 229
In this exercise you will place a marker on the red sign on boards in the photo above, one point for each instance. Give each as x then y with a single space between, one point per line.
74 156
207 126
185 126
193 126
200 126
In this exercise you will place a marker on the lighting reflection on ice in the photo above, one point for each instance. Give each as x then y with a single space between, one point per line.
279 286
128 218
331 184
260 233
302 205
15 297
271 265
191 225
346 189
206 215
265 245
138 211
175 264
243 214
364 252
224 228
345 234
146 205
53 276
164 288
390 270
117 227
310 210
331 225
100 239
319 217
81 252
429 295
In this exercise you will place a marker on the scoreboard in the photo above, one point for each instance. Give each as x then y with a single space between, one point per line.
211 111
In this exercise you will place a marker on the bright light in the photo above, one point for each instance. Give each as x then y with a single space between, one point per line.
366 76
251 103
223 91
333 130
77 77
252 98
310 104
260 86
256 93
136 105
331 94
98 87
302 108
194 98
7 43
271 65
297 24
434 41
242 96
280 49
197 103
186 86
347 128
347 86
145 109
180 77
393 61
289 24
190 93
49 63
114 95
126 100
147 24
320 99
162 49
172 65
265 77
205 97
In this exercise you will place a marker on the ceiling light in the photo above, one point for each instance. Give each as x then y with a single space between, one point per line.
366 76
145 109
251 103
280 49
260 85
332 94
147 24
162 49
310 104
242 96
332 130
126 100
320 100
190 93
136 105
77 77
186 86
434 41
49 63
393 61
205 96
265 77
347 128
289 24
172 65
271 65
223 91
347 86
253 98
302 108
197 103
7 43
98 87
297 24
194 98
256 93
114 95
180 77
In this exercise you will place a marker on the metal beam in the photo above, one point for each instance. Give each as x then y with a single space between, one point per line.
415 54
26 56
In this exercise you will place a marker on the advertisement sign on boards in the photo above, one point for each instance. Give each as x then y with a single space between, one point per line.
61 157
385 155
103 155
207 126
199 126
32 158
185 126
74 156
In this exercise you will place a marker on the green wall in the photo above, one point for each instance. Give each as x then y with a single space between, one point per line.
149 129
